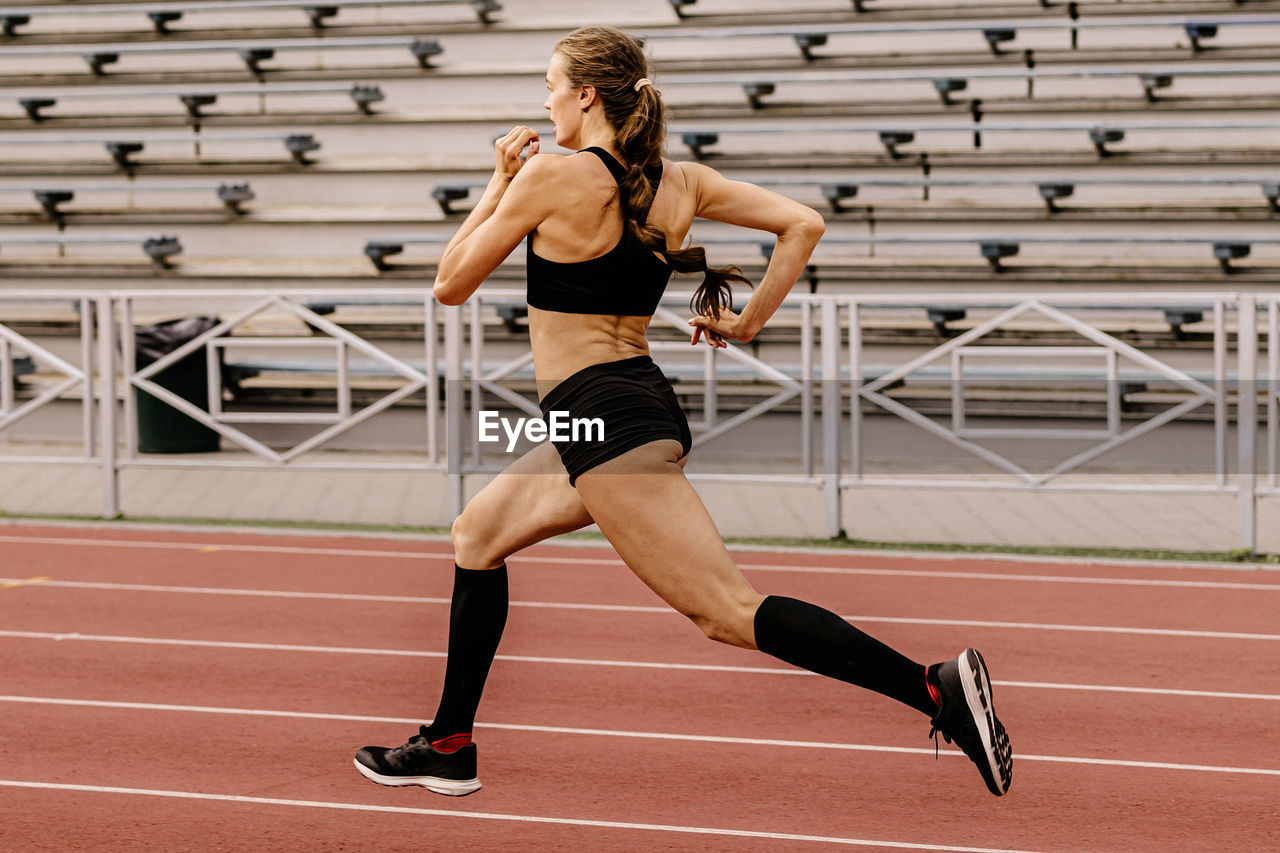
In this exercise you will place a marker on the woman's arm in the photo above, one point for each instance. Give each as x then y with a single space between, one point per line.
797 226
514 203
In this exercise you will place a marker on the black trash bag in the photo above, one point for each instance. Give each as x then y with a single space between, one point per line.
151 343
161 427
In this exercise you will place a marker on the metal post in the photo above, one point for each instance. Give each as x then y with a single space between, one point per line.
806 392
831 414
855 384
957 392
6 378
86 365
1247 420
107 408
710 398
213 381
433 372
476 330
344 380
129 366
1113 394
454 406
1220 389
1273 388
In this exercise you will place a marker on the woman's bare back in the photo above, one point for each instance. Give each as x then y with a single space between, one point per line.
586 225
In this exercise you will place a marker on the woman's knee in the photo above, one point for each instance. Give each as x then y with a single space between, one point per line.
472 544
732 624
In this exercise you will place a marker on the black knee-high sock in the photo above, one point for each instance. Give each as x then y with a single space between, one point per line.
818 640
477 615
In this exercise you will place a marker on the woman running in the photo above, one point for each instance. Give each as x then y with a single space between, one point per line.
604 228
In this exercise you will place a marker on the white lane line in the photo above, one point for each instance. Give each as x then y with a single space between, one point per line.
328 596
614 561
494 816
1048 626
221 546
633 608
1149 691
634 664
347 650
407 599
617 733
213 590
1000 576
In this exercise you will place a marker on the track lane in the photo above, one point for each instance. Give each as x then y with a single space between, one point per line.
599 578
110 822
1109 807
317 544
1223 611
697 784
282 549
656 635
793 707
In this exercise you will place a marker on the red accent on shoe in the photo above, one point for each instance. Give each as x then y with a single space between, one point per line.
933 693
452 743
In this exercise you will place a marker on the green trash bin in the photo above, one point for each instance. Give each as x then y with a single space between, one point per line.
161 427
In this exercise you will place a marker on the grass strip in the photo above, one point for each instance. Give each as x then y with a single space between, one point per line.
1240 556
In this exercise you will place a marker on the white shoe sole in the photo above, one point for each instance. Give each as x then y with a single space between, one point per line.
448 787
977 694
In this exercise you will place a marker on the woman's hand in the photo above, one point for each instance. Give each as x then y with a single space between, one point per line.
507 150
717 331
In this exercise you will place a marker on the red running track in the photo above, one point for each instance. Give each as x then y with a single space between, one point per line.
206 691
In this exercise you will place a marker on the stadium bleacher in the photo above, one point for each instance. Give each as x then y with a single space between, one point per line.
193 100
946 83
251 52
162 15
158 248
51 196
1001 130
1111 134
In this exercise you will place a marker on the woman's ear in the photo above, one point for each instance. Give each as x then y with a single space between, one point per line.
586 97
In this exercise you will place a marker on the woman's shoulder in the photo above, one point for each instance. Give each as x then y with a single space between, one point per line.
690 177
558 171
688 172
544 166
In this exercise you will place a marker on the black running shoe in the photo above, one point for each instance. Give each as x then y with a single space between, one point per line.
966 715
419 763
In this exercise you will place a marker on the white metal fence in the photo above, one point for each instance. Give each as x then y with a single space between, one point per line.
835 380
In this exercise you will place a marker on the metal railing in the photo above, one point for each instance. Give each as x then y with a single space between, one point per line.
73 378
319 333
838 385
834 462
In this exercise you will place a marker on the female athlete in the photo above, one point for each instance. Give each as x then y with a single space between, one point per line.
605 228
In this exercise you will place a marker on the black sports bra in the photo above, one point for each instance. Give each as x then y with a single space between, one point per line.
624 280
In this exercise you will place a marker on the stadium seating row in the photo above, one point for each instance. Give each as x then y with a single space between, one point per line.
781 140
162 15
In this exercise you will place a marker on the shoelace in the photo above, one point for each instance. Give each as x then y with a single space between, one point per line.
420 737
935 729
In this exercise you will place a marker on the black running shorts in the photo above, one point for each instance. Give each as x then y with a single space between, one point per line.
631 397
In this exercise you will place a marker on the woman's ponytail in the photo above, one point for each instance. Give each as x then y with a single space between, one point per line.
615 64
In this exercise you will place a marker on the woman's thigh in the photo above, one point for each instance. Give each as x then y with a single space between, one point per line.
529 501
652 516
